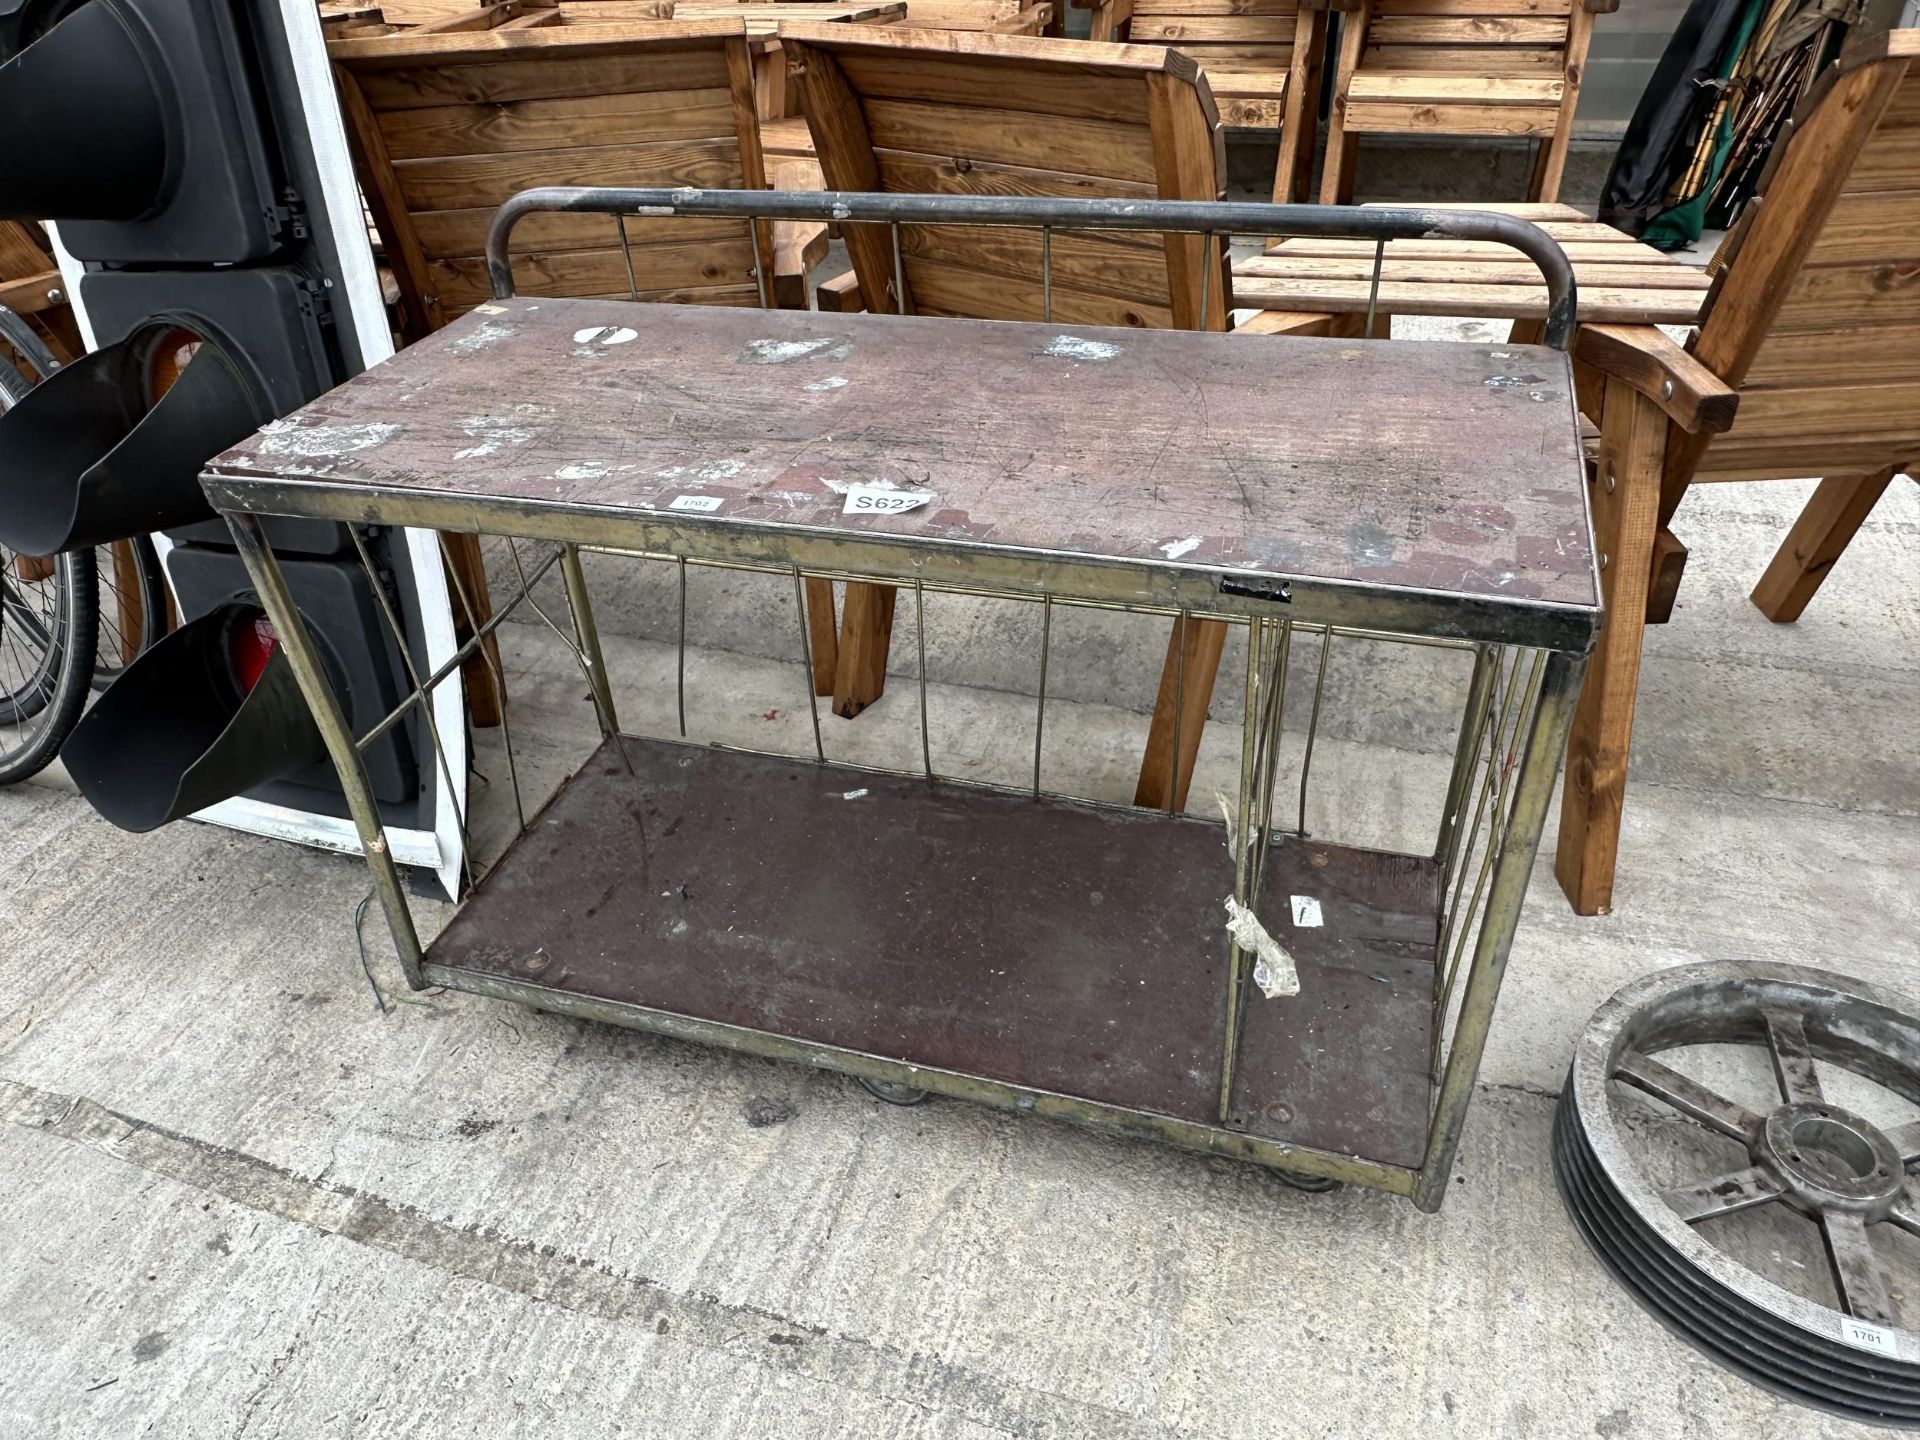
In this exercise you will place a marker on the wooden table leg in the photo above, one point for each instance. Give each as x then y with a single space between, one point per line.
866 634
484 700
823 637
1817 539
1186 689
1626 513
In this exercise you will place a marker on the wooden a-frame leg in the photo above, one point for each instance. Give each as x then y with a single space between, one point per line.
1186 683
823 636
484 700
1817 539
1626 513
866 634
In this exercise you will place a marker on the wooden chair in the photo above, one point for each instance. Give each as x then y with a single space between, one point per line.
1262 58
1814 324
1458 67
446 126
956 113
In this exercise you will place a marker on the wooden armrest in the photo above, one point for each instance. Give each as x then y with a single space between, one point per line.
1693 397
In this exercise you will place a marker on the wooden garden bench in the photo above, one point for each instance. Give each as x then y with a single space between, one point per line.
1806 361
1458 67
1262 60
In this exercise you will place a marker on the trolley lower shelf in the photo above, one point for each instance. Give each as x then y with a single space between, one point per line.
1021 950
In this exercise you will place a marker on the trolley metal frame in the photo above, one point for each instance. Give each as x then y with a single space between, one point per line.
1527 666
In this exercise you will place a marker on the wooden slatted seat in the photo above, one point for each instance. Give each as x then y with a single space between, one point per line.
1262 60
1458 67
955 113
446 127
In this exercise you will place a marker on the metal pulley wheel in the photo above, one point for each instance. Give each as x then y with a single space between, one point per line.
1780 1236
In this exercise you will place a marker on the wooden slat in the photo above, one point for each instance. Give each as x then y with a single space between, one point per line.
1475 7
1889 161
468 181
1377 118
1285 265
1444 89
1453 30
1180 29
1821 298
1472 60
1000 137
1818 357
1189 158
942 289
1861 412
1875 228
1622 251
1729 458
1225 54
544 78
445 234
1077 92
1079 262
912 173
610 119
1214 7
698 265
1598 305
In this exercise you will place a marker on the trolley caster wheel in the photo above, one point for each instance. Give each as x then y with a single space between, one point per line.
1311 1184
892 1092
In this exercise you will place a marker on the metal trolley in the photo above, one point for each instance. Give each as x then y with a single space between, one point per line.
1056 956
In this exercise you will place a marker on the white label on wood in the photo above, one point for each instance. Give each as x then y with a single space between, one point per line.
1306 913
1868 1337
879 500
705 504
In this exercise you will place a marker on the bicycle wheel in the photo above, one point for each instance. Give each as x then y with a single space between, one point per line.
49 613
133 605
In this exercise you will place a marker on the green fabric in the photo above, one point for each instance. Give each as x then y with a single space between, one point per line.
1678 227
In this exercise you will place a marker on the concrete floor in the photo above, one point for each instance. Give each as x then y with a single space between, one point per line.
243 1203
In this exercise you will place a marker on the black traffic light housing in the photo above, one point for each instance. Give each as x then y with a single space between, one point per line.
138 126
168 139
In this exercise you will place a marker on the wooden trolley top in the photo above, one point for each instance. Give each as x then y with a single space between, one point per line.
1426 487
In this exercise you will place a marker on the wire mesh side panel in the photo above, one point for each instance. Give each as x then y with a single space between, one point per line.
1503 706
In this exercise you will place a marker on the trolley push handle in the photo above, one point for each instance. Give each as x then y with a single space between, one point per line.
1347 222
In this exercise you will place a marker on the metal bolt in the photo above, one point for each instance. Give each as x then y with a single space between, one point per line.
1609 480
1280 1113
1666 389
56 295
1603 559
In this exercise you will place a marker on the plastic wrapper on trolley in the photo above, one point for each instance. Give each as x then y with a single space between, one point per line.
210 712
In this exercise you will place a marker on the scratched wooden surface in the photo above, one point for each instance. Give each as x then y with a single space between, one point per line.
1448 467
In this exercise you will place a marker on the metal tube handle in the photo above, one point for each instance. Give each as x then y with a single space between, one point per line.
1376 223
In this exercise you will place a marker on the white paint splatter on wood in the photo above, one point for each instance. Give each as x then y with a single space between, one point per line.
779 352
1174 549
286 437
832 382
1075 347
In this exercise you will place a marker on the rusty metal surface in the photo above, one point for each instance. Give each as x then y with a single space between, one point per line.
1049 944
1438 467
